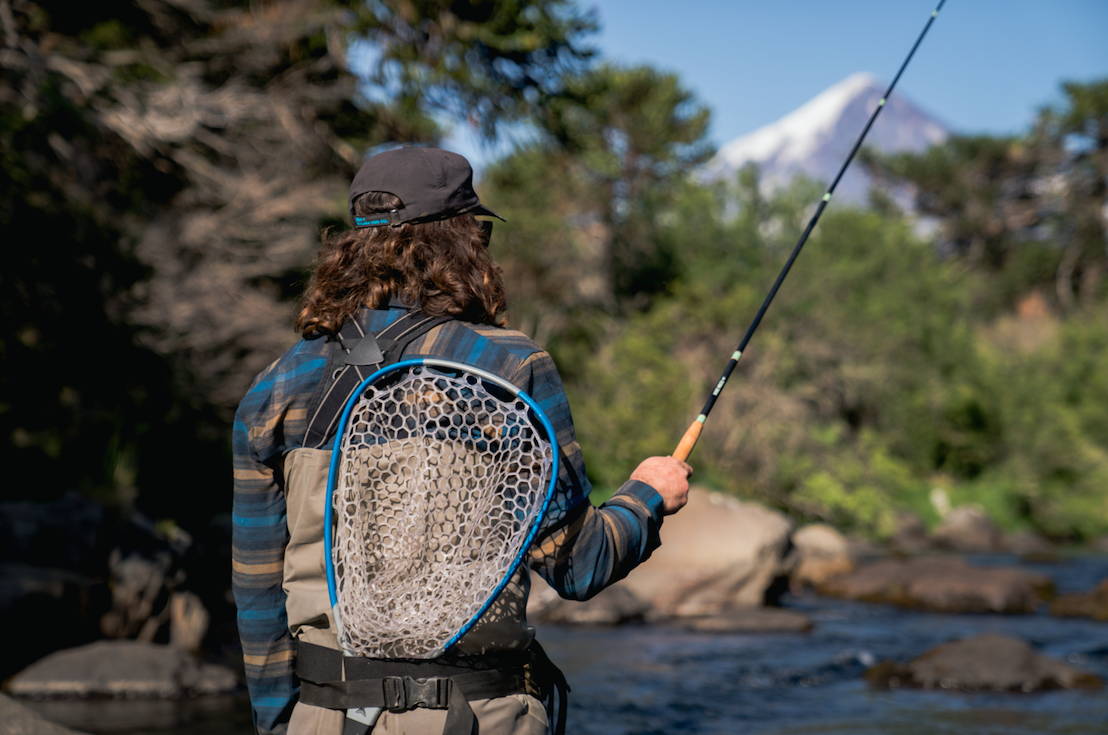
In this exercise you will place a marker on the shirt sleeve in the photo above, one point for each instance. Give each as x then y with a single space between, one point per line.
581 549
259 536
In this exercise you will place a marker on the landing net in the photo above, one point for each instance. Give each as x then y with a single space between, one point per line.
441 479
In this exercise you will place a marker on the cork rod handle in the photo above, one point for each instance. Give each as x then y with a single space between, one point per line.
688 441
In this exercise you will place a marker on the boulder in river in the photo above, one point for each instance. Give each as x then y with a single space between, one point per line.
15 719
910 535
969 530
822 552
612 606
1092 604
121 669
942 584
751 620
987 662
717 554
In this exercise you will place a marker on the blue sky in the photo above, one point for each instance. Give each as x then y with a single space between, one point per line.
986 65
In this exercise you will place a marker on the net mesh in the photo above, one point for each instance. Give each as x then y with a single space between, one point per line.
441 477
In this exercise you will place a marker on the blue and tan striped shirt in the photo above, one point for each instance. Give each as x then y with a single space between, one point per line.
579 550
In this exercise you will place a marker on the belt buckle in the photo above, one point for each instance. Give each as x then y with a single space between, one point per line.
432 692
405 692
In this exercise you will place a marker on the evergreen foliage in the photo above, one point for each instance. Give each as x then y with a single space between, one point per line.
590 249
167 168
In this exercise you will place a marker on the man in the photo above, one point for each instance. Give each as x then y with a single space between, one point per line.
416 244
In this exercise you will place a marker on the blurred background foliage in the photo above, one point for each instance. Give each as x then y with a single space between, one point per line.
168 164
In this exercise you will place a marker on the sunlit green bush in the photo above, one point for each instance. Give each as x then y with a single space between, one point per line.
876 377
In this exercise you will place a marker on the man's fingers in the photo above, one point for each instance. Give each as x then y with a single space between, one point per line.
687 467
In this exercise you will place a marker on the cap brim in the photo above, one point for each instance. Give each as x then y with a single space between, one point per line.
480 209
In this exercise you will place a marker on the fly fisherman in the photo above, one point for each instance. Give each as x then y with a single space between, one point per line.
417 249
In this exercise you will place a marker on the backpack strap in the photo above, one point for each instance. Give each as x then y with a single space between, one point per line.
357 355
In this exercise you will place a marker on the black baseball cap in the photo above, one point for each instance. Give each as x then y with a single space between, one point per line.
433 184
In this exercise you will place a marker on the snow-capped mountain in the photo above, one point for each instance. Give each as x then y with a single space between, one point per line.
815 138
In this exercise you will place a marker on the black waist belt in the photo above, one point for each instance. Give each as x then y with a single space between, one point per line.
334 681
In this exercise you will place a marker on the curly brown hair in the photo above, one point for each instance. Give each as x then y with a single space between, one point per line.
443 267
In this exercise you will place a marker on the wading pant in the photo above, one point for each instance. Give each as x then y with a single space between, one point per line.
516 714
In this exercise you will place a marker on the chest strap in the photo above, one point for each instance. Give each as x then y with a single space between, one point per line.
334 681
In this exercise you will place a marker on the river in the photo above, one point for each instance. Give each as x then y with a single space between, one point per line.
659 679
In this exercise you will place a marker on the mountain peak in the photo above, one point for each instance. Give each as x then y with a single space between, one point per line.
831 101
815 138
854 83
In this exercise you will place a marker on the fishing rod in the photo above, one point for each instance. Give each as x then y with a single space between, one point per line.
692 434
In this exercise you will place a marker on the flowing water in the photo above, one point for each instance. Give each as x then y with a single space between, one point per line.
658 679
664 680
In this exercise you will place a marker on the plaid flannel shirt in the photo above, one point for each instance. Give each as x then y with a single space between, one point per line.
579 549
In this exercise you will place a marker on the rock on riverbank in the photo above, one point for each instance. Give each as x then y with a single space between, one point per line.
751 620
717 554
982 663
15 719
942 584
969 530
720 560
121 669
822 553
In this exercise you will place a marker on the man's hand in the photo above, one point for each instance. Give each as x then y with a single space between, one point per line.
669 476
